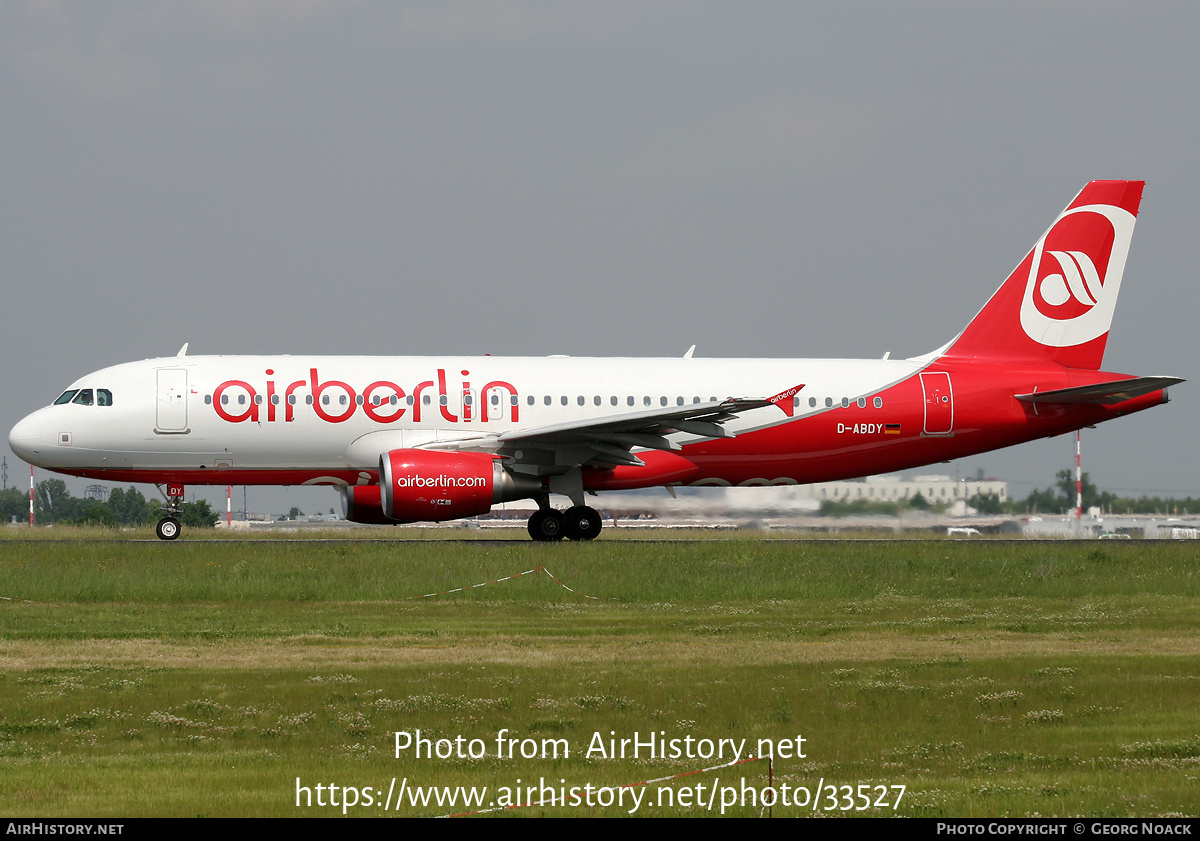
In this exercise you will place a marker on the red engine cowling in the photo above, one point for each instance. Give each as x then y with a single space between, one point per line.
433 485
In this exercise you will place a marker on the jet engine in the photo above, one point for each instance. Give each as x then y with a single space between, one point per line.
433 485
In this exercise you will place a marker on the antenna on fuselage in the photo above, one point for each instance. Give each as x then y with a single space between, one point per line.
182 350
689 353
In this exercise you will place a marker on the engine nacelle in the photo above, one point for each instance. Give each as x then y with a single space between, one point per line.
363 504
434 485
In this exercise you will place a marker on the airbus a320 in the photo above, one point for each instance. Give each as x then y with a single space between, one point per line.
410 439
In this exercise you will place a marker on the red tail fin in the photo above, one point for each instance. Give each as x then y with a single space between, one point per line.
1059 302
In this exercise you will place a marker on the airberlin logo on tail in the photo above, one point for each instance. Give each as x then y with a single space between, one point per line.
1075 276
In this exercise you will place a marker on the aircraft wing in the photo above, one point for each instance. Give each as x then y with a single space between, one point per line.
1105 394
608 441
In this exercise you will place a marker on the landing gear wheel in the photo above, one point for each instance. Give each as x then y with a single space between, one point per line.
167 529
582 523
546 525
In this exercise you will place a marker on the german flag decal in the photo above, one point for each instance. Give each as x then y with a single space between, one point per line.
891 429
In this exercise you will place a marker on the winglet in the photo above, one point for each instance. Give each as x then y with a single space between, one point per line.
784 400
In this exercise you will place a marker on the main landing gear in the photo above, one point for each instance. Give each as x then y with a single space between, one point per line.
576 523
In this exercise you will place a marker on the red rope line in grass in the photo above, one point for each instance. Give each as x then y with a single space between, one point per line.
502 580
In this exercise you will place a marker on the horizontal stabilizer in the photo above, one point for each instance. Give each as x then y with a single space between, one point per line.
1105 394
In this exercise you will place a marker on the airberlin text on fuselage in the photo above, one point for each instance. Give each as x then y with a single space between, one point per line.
375 400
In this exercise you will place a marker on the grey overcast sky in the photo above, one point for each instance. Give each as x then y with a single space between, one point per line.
760 179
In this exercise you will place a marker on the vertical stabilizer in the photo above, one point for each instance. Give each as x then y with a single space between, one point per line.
1058 303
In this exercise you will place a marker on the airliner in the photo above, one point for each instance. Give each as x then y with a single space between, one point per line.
413 439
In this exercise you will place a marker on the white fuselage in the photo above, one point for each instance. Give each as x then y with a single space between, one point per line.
328 415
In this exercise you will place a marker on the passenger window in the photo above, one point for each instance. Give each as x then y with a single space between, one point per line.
878 402
695 399
812 402
308 400
208 400
596 399
845 402
530 400
646 401
613 400
84 398
274 399
678 401
630 400
580 400
495 399
65 397
548 400
862 402
103 397
662 401
425 399
291 400
358 399
563 400
512 400
258 400
828 402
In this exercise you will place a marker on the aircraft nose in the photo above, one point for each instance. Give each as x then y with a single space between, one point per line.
26 439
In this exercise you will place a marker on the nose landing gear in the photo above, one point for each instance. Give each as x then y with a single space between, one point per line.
168 528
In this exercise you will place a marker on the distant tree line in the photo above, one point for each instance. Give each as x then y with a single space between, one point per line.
52 503
1060 497
851 507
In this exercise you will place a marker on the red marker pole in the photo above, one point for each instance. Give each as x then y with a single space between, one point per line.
1078 480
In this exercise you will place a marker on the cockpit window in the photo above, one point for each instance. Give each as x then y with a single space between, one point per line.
103 397
66 397
84 398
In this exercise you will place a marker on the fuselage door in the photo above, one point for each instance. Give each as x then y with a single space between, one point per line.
939 403
171 416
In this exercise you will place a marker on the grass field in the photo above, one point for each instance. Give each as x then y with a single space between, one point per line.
206 678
